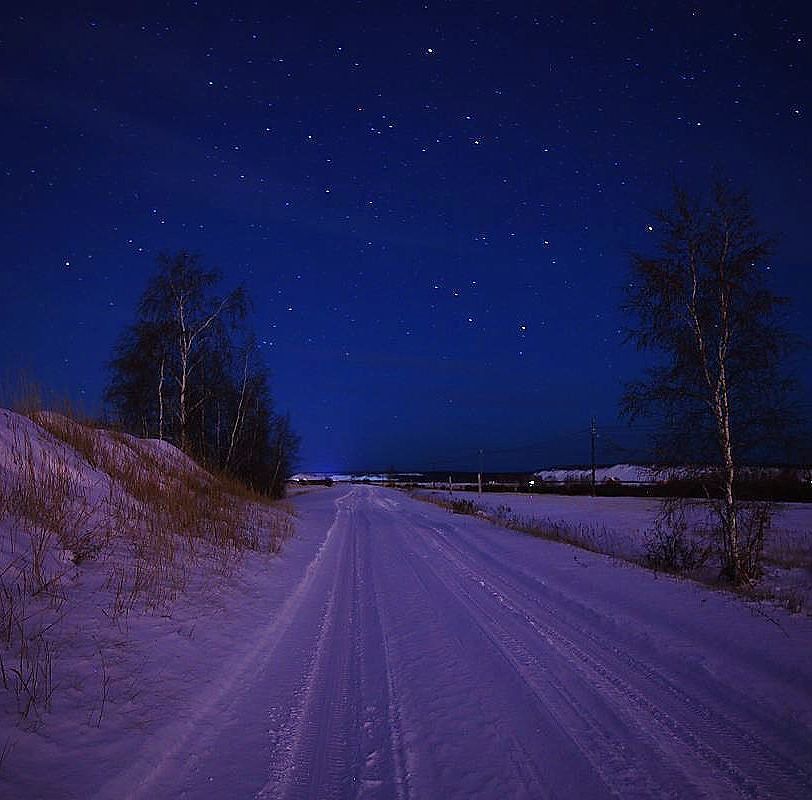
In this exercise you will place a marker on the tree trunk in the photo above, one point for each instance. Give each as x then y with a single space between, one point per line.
733 565
161 402
217 436
238 418
182 401
277 466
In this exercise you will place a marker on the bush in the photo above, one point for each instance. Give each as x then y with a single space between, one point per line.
668 547
464 507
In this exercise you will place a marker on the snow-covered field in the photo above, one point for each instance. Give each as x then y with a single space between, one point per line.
625 520
395 650
618 526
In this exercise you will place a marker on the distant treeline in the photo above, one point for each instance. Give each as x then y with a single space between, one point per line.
785 485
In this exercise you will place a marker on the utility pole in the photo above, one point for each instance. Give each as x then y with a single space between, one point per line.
594 435
479 474
450 490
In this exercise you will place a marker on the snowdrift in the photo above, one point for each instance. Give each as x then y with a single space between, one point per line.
106 543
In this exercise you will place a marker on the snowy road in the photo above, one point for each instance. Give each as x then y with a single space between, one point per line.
420 654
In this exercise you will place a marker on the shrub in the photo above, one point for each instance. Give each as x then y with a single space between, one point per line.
668 547
464 507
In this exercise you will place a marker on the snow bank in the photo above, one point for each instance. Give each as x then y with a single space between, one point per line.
121 566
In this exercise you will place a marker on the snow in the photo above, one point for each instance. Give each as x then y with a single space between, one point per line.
117 677
639 475
618 526
626 519
395 650
619 473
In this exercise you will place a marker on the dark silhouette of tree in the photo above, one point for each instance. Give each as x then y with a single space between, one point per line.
284 451
719 391
187 371
137 387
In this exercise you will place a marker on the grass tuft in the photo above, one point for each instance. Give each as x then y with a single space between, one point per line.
70 495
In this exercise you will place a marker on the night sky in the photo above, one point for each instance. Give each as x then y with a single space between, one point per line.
431 205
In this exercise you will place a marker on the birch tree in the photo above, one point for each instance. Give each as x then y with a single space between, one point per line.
718 389
181 300
188 370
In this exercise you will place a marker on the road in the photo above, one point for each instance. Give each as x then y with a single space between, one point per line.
422 654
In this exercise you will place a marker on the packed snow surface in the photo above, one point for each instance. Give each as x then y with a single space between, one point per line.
619 526
395 650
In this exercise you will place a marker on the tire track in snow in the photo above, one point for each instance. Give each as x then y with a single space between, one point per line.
410 661
609 755
715 726
378 688
623 696
343 737
518 775
595 671
599 751
167 755
320 753
568 606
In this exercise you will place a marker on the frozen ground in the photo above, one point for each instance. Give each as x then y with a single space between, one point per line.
395 650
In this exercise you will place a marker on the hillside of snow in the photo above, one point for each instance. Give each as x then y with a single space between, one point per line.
120 563
619 473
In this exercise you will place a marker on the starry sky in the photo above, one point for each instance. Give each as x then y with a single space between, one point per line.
432 205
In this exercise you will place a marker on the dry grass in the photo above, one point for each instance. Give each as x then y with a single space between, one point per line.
584 536
172 516
66 428
142 512
790 550
30 676
281 528
47 496
26 651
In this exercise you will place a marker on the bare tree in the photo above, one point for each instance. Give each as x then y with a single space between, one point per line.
180 300
239 414
136 389
719 391
189 371
285 448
